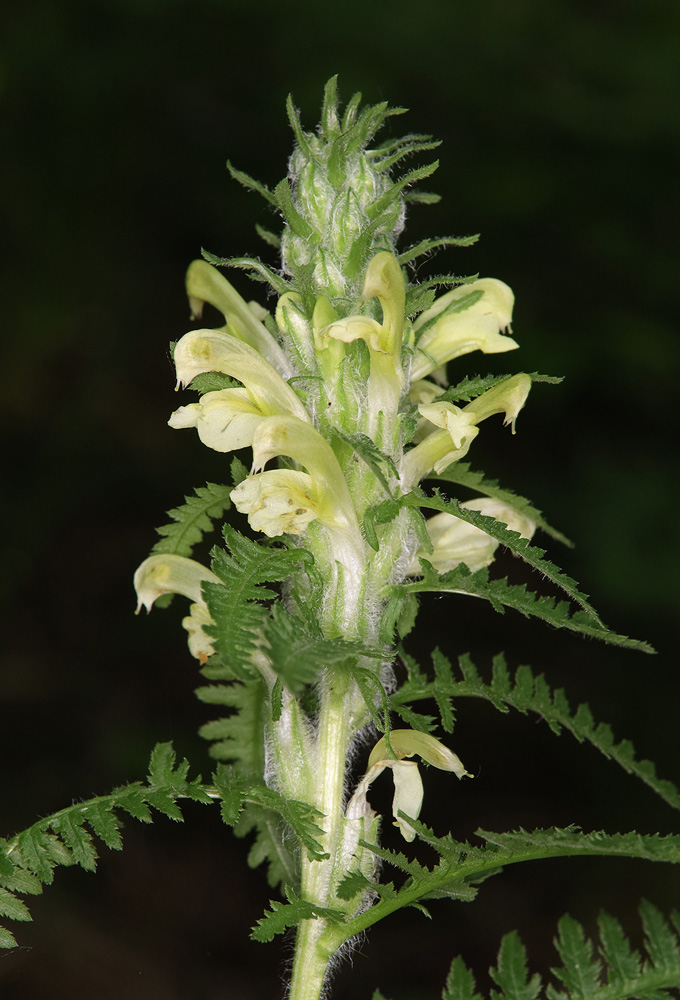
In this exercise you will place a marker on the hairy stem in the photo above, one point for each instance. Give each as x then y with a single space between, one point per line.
335 734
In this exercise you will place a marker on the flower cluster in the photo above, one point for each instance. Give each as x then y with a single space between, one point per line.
341 395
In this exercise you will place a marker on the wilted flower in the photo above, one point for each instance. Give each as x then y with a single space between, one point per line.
408 785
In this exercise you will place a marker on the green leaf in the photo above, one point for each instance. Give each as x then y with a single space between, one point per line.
526 692
461 865
502 594
7 939
462 474
623 963
251 184
427 246
12 907
285 915
299 654
192 519
392 193
380 464
511 973
258 270
469 388
232 793
236 605
460 983
212 382
581 973
29 858
300 816
522 547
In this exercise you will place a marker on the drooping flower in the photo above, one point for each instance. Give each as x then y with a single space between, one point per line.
408 785
471 317
281 501
171 574
455 541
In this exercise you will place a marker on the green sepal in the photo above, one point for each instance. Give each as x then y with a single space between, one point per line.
427 246
251 183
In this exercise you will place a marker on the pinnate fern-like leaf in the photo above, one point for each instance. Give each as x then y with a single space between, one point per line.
28 860
462 865
192 520
527 693
619 973
298 652
462 474
285 915
236 605
519 546
501 594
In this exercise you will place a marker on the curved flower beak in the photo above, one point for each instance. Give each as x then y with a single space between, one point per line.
459 427
278 502
204 283
170 574
385 282
455 541
408 786
213 351
468 318
225 420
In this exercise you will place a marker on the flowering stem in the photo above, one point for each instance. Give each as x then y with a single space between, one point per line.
335 734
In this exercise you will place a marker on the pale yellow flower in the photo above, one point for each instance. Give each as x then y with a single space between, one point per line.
171 574
277 502
455 541
450 329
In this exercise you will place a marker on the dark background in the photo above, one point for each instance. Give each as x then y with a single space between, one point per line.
560 125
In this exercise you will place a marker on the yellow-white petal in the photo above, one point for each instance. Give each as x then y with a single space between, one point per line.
281 501
449 329
225 420
356 328
214 351
407 742
200 644
170 574
204 283
408 794
455 541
